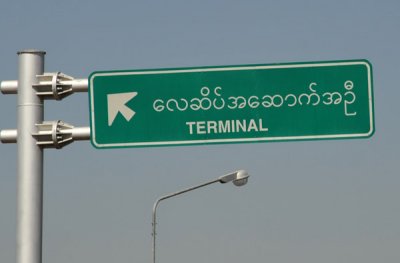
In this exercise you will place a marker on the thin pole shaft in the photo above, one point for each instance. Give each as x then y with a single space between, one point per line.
154 220
30 160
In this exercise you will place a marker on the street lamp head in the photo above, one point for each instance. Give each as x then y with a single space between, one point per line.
238 178
241 178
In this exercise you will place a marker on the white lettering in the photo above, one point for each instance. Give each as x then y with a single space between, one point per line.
190 124
226 126
214 99
260 124
212 126
252 126
233 125
241 125
201 127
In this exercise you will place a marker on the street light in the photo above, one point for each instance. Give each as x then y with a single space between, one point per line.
238 178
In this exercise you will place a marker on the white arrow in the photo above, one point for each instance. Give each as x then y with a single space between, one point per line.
117 103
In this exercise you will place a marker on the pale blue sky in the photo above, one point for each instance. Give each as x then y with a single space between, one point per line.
319 201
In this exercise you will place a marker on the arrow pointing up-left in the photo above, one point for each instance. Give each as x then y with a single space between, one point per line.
117 103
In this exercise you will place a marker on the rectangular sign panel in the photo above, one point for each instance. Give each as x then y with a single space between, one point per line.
231 104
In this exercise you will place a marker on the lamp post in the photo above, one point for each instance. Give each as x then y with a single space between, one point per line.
238 178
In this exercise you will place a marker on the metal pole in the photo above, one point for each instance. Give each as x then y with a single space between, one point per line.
30 160
154 221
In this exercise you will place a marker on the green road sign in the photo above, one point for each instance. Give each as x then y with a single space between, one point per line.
231 104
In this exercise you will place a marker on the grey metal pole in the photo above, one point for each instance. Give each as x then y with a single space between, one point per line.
239 178
30 160
154 220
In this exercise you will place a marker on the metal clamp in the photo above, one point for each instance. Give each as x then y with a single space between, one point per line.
51 86
57 134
